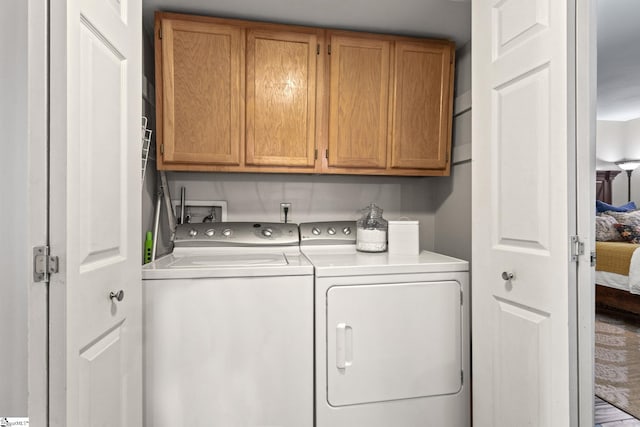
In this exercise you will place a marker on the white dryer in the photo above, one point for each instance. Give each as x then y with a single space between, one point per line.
228 329
392 334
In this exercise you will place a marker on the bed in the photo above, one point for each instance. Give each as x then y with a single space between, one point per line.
618 276
617 263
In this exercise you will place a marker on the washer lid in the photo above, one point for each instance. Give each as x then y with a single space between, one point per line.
208 261
204 264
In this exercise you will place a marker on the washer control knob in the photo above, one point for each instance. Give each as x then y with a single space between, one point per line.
210 232
331 231
193 232
316 231
227 232
267 232
346 230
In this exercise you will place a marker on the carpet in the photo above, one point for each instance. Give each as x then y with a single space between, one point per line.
617 362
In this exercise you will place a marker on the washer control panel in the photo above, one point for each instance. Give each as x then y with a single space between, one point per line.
215 234
328 233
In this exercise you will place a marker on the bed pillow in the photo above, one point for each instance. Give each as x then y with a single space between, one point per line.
603 207
606 230
629 233
627 218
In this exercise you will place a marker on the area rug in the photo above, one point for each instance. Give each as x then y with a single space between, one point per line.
617 362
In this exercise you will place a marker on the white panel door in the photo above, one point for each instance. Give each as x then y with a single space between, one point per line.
393 341
524 210
95 104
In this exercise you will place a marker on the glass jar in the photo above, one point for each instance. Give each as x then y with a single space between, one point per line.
371 230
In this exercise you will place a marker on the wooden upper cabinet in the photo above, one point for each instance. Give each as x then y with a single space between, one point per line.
244 96
422 109
281 98
358 101
200 81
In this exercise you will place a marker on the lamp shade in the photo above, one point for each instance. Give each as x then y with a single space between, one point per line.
628 165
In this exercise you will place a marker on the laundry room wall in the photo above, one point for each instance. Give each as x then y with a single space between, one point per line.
149 185
257 197
441 204
452 194
14 175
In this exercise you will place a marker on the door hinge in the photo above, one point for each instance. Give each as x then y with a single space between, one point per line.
318 49
593 258
44 264
329 49
577 248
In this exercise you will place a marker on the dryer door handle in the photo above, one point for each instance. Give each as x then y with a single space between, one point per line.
344 346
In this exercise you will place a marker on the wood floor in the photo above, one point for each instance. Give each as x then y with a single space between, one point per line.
607 415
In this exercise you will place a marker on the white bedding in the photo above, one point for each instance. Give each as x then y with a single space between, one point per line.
629 283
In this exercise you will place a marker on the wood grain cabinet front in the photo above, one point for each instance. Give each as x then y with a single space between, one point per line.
199 99
422 105
245 96
281 98
358 101
390 106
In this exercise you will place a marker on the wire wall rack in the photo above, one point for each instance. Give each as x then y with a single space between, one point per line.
146 145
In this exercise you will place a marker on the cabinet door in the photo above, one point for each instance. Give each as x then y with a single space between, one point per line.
200 109
281 98
358 102
422 105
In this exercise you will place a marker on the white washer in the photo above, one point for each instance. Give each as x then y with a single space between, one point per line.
392 334
228 329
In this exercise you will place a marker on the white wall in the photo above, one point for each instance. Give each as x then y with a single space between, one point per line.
616 141
149 187
14 177
452 195
257 197
610 144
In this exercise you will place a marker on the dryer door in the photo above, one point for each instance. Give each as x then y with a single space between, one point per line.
393 341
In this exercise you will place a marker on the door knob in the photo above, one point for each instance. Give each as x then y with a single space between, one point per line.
507 275
116 296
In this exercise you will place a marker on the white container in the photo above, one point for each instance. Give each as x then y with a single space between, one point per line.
404 237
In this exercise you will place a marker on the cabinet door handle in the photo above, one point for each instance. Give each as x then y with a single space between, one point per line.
344 346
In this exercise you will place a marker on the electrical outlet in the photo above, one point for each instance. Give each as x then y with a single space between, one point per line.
282 216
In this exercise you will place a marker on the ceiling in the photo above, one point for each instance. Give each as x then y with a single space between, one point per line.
618 59
449 19
618 31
